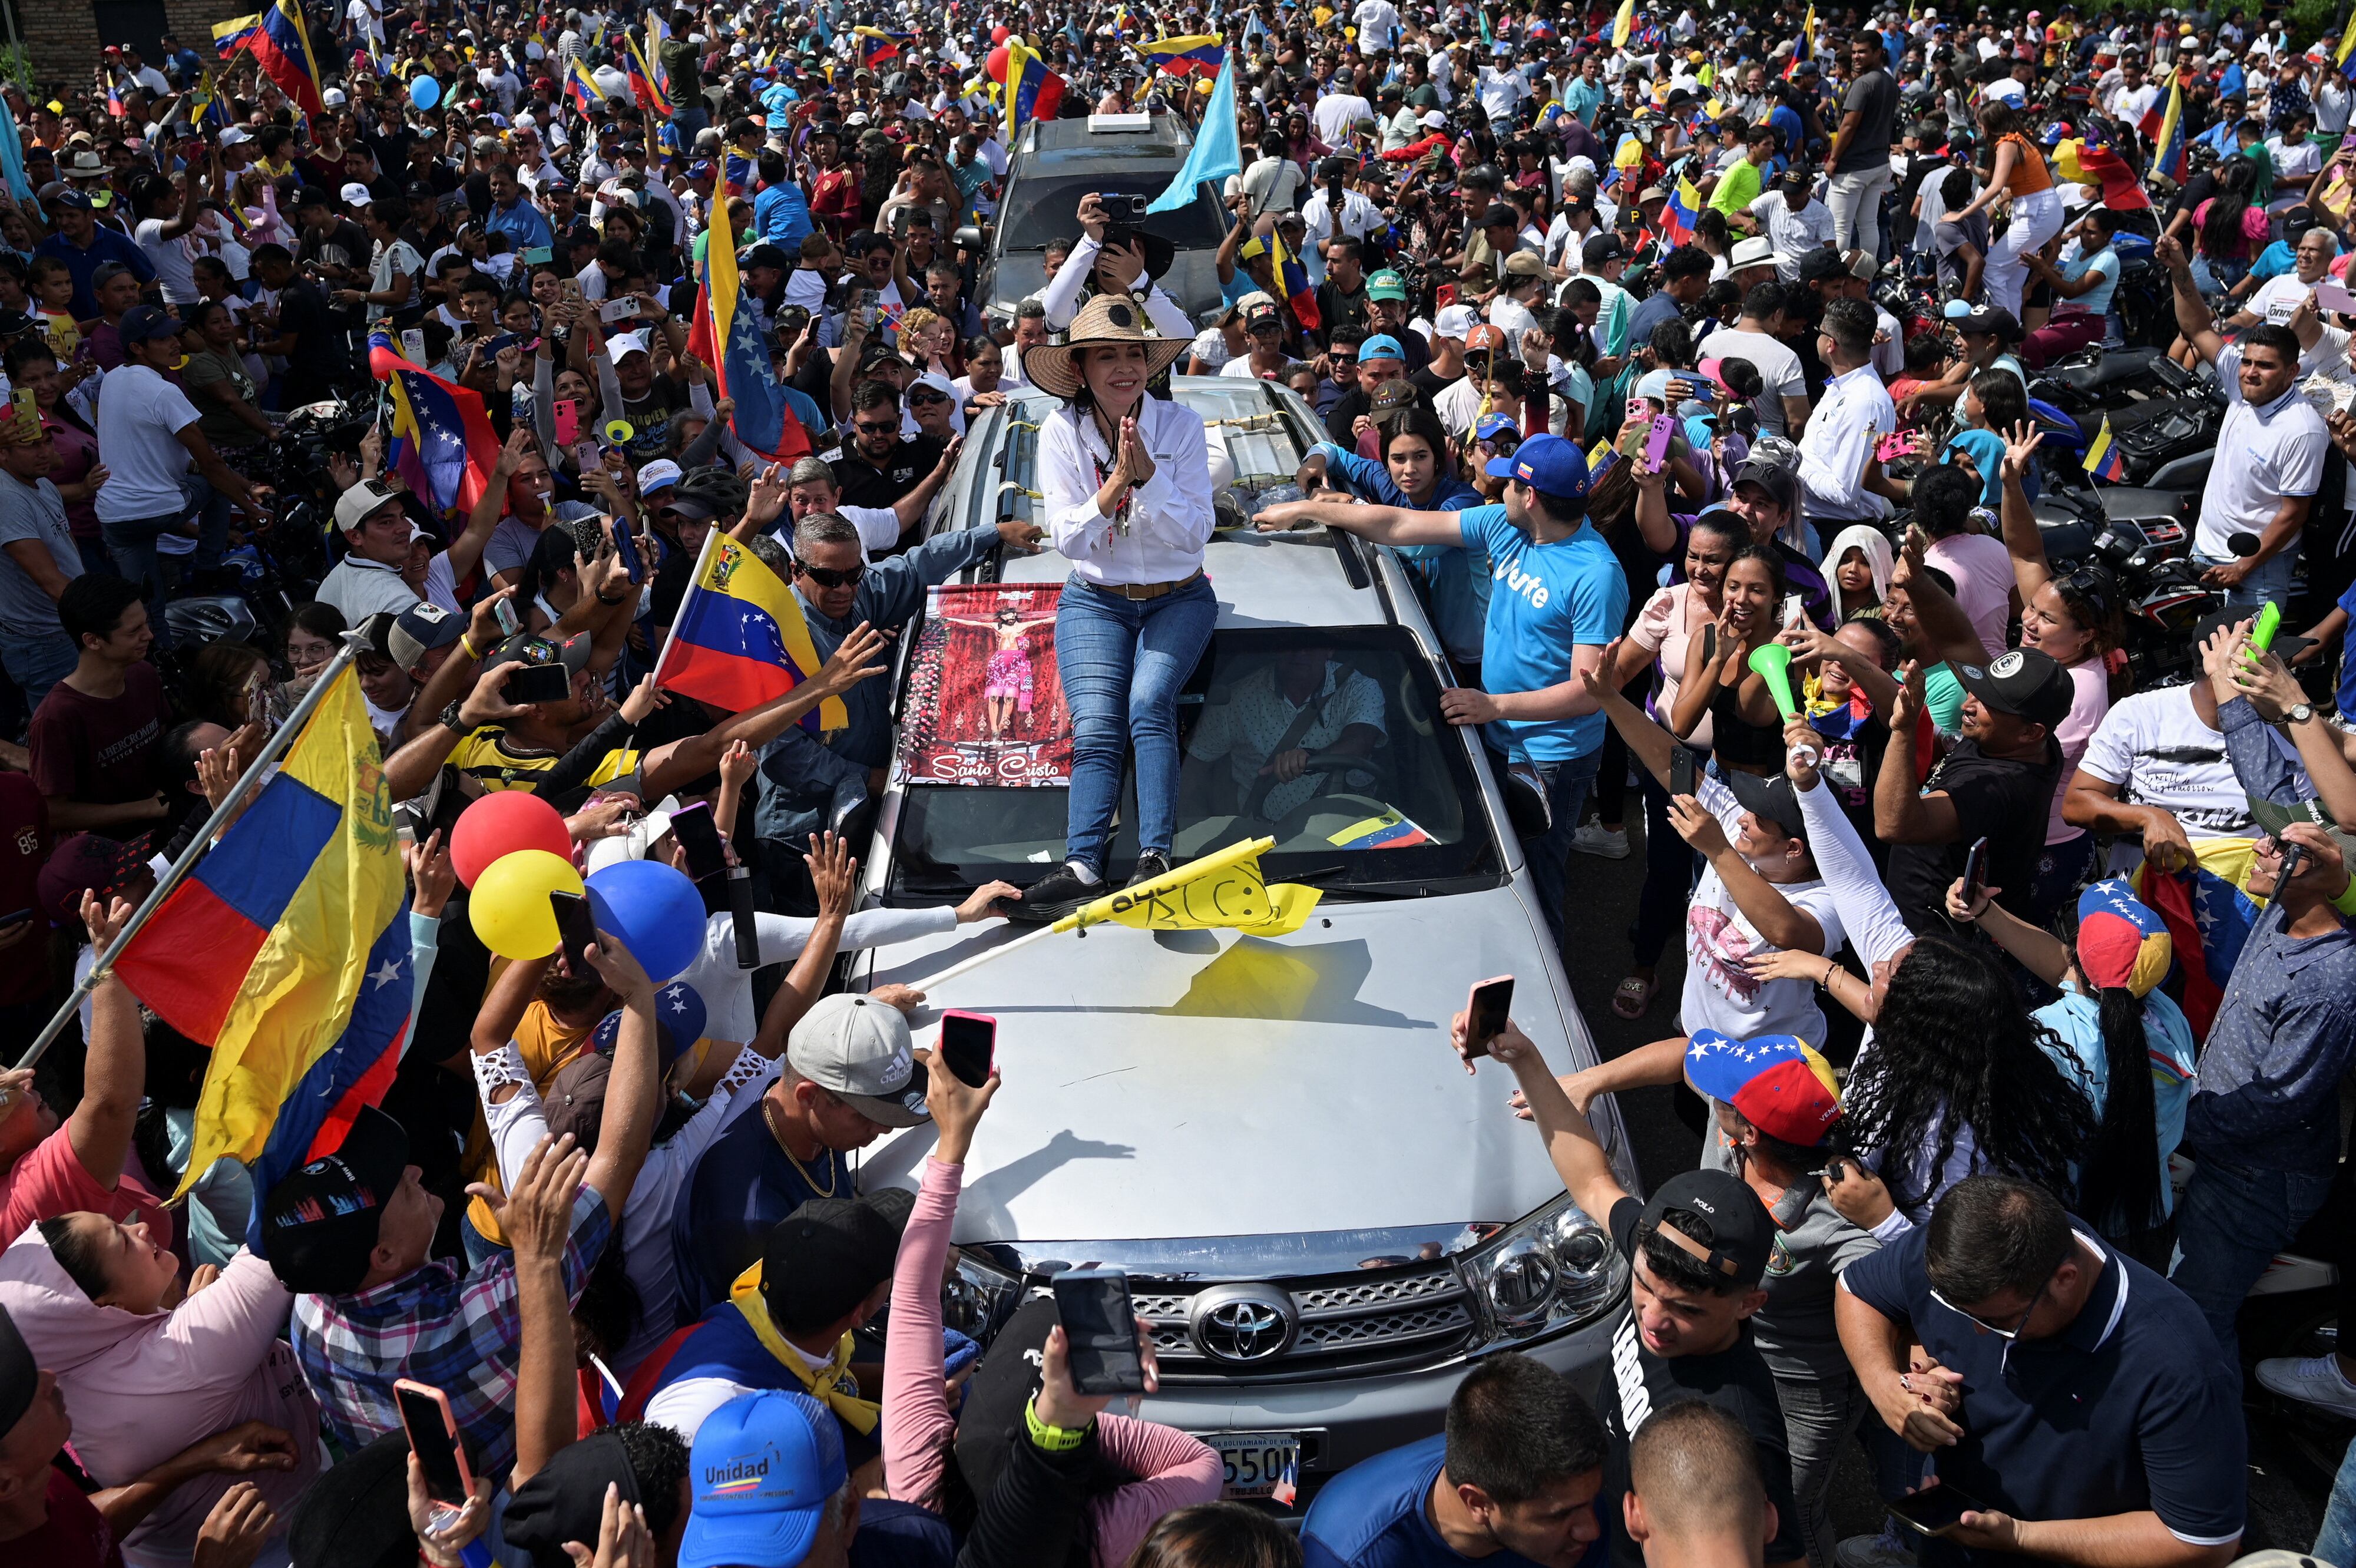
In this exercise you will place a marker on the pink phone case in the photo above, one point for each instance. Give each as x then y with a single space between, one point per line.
1472 1003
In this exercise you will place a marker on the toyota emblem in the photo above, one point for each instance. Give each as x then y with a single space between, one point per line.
1242 1324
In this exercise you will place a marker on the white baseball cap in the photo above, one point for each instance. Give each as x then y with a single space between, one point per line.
621 345
860 1050
1455 321
356 194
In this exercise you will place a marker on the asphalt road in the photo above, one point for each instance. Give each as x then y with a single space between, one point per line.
2290 1460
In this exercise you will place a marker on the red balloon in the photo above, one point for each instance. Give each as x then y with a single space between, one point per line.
996 65
500 824
1001 32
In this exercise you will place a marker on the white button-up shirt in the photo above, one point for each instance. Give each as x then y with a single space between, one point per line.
1169 519
1064 293
2264 454
1853 414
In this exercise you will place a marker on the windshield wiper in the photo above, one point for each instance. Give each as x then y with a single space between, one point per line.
1397 889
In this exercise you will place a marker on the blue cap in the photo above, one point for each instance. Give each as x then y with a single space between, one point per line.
1381 346
142 322
1546 462
764 1466
68 198
679 1022
1489 425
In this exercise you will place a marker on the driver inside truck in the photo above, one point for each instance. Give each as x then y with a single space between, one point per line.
1286 729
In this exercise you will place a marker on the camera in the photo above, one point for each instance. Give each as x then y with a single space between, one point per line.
1122 208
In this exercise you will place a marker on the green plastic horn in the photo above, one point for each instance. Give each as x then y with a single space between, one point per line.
1771 662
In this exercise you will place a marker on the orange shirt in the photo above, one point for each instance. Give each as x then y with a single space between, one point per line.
2029 174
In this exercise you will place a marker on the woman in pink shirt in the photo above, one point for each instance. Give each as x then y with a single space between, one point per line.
1669 621
928 1452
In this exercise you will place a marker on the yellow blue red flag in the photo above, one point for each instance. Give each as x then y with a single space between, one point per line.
287 951
1032 91
1202 55
2103 459
740 640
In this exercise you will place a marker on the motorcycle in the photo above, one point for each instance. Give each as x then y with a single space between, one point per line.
2165 598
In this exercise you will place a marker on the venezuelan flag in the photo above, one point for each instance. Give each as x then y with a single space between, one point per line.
646 83
282 46
1293 279
736 174
582 88
287 951
1806 48
1034 92
2103 459
1201 55
2168 138
876 46
1390 831
443 444
1677 218
1620 23
2344 57
229 37
740 641
206 109
728 339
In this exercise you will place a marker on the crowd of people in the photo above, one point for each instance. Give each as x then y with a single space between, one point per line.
1682 355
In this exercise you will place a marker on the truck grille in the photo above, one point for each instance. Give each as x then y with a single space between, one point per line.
1344 1326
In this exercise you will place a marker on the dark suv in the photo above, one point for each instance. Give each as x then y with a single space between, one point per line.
1056 162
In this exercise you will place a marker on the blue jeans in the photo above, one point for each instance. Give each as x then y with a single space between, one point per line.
132 545
2231 1222
36 662
1567 783
2336 1541
2268 580
1122 662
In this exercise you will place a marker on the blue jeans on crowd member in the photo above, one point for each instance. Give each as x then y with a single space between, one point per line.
2229 1223
97 558
2336 1541
132 544
690 120
2268 580
212 509
36 662
1122 662
1567 783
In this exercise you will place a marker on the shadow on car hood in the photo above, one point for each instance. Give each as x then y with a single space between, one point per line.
1205 1083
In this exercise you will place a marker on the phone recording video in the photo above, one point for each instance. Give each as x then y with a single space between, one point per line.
700 836
539 683
1486 1012
968 1046
433 1438
1681 771
1975 869
1100 1326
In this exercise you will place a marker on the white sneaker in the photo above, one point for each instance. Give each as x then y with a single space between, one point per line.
2313 1380
1872 1552
1594 838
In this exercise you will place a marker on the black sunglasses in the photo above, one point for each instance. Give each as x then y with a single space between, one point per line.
872 429
826 578
933 395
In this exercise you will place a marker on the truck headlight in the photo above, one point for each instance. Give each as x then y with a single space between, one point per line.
1550 1270
980 1297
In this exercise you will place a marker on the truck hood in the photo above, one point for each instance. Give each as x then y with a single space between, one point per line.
1212 1085
1192 280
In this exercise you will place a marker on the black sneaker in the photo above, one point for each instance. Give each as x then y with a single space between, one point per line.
1055 896
1152 863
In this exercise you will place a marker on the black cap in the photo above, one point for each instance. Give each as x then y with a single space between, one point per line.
319 1225
2024 682
565 1498
1602 248
822 1260
1741 1232
1769 797
767 255
1988 321
1498 212
422 191
1821 264
20 1375
363 1499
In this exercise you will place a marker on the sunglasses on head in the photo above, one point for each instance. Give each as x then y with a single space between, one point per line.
826 578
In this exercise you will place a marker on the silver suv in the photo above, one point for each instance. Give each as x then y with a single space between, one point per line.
1323 1218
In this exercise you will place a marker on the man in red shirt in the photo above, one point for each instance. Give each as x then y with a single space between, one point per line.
834 189
98 738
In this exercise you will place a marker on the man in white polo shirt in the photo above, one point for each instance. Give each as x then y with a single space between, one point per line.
376 534
2270 449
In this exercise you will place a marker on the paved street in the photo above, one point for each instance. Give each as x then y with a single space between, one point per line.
2287 1486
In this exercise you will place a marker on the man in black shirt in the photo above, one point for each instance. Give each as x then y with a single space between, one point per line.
1858 159
1996 784
1697 1254
314 343
875 468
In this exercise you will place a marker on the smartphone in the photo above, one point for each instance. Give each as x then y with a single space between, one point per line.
1975 869
700 836
577 928
1936 1509
505 613
10 922
433 1438
1101 1328
1681 770
1487 1010
538 256
870 304
618 310
505 339
413 345
1656 440
1795 610
568 421
539 683
625 545
968 1046
2331 294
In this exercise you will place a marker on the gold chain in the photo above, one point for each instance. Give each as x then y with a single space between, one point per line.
833 1171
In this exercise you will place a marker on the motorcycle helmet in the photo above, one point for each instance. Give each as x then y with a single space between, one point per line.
716 491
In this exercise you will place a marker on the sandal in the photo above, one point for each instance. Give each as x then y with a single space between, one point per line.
1634 996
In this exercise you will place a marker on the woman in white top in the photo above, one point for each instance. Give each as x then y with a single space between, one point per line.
1126 483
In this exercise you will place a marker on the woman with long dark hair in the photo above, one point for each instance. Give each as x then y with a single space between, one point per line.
1126 482
1718 684
2121 1041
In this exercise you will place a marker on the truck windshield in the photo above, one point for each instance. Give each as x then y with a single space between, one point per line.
1043 207
1385 797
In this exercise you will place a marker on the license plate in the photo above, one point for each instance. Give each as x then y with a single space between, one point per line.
1258 1463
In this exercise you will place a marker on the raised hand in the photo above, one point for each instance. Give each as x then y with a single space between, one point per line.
433 874
2021 449
833 874
854 660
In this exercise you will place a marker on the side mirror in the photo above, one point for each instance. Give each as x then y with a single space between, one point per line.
967 238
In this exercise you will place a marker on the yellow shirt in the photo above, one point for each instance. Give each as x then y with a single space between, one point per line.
496 759
546 1045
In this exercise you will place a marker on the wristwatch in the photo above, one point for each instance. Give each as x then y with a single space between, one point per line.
2300 713
450 718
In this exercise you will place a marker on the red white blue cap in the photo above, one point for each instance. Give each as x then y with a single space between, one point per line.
1779 1082
2120 941
1546 462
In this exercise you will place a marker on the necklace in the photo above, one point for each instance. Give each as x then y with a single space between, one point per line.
833 1171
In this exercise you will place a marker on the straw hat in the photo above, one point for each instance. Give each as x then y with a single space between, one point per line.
1107 318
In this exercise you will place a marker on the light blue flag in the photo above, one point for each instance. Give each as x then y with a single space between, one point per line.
1215 155
11 158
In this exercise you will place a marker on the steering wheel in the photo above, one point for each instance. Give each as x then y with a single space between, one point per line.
1338 763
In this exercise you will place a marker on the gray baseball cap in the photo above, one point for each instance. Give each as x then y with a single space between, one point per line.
860 1049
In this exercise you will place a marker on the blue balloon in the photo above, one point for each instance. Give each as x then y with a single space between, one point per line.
425 92
654 910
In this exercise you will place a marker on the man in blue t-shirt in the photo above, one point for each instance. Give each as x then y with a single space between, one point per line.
1512 1481
1557 596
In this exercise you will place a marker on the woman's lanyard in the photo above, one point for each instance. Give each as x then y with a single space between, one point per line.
1121 512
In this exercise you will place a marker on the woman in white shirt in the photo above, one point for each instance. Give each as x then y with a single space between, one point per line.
1126 483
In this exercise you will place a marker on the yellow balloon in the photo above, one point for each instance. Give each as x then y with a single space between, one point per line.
509 905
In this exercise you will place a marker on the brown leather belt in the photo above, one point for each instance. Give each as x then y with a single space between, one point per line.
1150 590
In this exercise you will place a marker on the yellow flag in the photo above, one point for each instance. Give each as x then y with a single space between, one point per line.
1222 890
1621 23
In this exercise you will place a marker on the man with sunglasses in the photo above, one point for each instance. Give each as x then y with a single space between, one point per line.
2076 1396
876 466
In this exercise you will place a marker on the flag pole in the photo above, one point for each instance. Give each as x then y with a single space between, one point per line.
263 761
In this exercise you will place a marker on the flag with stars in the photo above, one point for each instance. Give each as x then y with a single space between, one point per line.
2209 919
444 447
287 951
728 338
